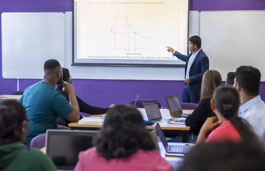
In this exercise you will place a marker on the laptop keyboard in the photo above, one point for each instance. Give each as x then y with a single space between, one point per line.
178 148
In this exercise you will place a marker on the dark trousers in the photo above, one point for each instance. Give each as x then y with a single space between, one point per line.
188 96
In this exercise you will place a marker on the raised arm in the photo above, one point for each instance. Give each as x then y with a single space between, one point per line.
177 54
75 115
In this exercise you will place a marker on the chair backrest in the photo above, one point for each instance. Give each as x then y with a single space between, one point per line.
38 141
139 103
188 105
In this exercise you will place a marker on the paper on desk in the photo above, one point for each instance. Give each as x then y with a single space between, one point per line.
92 120
175 125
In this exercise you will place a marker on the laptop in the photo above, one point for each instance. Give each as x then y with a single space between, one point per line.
153 111
174 107
63 146
172 149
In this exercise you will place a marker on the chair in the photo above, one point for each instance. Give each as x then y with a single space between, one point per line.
38 141
190 106
139 103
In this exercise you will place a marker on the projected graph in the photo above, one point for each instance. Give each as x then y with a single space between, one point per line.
130 31
127 38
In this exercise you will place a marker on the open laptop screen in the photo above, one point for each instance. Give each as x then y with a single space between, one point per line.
63 146
174 105
161 135
152 110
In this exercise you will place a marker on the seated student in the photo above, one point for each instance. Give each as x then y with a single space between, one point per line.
123 144
230 79
210 80
44 104
225 156
225 104
83 106
252 106
13 154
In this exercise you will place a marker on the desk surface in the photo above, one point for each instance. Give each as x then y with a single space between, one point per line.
10 97
151 127
77 125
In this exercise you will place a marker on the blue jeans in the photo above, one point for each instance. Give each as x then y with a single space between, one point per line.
188 96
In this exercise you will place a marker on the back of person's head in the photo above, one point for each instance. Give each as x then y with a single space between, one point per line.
51 64
123 133
210 80
225 156
248 79
230 78
226 101
53 71
196 40
12 122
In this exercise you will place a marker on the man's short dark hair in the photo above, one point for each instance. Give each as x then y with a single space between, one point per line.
51 64
248 78
196 40
230 78
221 156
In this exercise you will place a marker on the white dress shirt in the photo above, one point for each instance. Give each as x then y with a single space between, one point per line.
190 62
254 112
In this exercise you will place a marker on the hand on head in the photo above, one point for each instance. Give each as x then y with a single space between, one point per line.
68 87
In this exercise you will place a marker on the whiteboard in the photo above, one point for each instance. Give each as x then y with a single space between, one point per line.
233 38
28 40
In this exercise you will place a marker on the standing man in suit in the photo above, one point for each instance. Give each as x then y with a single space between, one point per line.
196 64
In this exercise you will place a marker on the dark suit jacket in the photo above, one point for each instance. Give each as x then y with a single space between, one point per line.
198 67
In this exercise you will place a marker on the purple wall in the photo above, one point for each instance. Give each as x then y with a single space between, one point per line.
103 92
223 5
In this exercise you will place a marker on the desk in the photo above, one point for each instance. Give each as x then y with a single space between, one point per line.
10 97
151 127
165 114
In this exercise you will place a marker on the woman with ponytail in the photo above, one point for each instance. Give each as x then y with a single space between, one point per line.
226 125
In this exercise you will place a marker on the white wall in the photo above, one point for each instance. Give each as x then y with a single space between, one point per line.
234 38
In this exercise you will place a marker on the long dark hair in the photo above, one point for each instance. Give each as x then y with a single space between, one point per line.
226 100
66 76
123 134
12 115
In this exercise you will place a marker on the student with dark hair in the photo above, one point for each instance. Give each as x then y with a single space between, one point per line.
225 156
83 106
196 64
44 104
123 144
230 127
252 106
210 80
13 154
230 79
